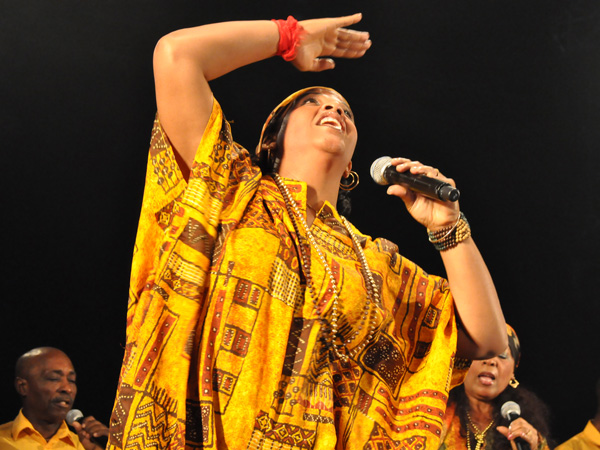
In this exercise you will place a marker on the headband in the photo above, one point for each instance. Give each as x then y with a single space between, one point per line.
280 110
513 344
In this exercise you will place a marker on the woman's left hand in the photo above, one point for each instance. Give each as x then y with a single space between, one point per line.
433 214
520 428
328 37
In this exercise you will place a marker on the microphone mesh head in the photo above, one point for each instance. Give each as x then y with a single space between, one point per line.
73 415
510 408
378 168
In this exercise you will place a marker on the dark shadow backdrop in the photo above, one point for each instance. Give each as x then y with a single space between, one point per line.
504 96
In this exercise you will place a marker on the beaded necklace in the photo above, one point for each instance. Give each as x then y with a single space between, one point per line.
479 435
372 293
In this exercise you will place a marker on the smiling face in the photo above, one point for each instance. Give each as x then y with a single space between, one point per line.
46 382
487 379
321 119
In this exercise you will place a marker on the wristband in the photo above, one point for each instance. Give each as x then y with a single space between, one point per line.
290 33
450 237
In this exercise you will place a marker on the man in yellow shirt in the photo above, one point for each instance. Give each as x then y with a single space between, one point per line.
589 438
46 381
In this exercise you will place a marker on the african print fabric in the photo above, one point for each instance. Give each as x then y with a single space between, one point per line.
225 347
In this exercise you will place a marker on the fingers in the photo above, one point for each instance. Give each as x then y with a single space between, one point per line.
346 37
520 428
403 192
93 427
346 21
418 168
503 431
344 43
354 48
97 429
325 38
322 64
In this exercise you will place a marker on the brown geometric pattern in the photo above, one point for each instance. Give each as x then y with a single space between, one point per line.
346 383
386 361
195 236
224 382
236 341
333 245
381 441
120 413
418 399
284 284
184 277
293 437
317 418
422 349
198 424
296 347
164 168
248 294
154 424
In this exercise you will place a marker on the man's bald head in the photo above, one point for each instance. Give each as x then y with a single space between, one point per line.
33 358
46 381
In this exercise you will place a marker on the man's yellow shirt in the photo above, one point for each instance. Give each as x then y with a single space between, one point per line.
20 435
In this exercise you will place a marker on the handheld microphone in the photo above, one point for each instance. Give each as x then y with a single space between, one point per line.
76 415
512 411
383 172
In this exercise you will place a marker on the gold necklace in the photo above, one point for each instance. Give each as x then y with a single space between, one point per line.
479 435
372 292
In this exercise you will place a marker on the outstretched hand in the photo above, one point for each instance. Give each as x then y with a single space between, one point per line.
323 38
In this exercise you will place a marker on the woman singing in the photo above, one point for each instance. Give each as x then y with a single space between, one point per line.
474 419
259 317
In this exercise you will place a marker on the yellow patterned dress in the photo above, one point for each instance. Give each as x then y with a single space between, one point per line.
226 348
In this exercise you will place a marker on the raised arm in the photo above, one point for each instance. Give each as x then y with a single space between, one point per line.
483 334
186 60
476 300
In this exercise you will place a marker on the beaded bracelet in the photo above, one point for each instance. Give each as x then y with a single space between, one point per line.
290 33
450 237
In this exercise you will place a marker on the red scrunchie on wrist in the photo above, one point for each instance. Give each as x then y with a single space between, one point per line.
290 33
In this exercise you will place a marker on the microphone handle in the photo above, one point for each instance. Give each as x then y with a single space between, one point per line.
521 443
429 187
102 441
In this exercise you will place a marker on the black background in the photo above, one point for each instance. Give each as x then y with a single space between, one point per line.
504 96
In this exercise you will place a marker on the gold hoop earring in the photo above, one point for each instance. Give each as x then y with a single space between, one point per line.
354 180
513 383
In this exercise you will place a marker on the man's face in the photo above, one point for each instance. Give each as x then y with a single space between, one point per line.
48 388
